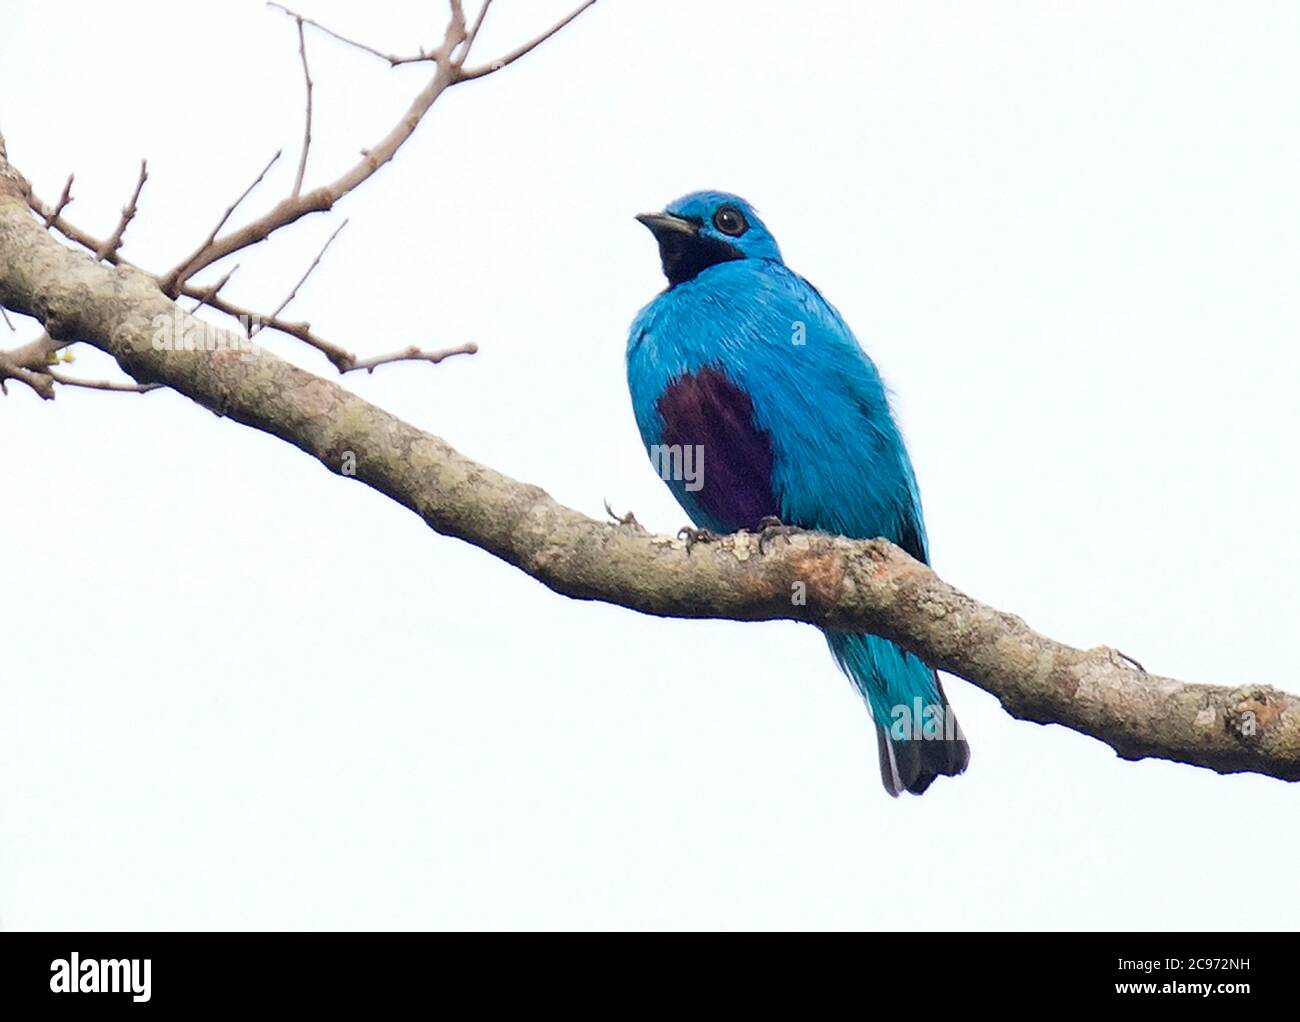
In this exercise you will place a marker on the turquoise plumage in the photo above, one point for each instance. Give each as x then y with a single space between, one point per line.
755 402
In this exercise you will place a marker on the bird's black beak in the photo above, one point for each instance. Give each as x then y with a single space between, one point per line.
683 249
665 225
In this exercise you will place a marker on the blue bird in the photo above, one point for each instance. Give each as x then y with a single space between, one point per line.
757 405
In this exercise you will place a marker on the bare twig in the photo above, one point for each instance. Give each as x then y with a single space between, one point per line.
205 296
342 359
465 75
306 137
8 322
75 234
412 354
301 280
454 36
57 209
393 59
114 241
473 32
186 269
124 388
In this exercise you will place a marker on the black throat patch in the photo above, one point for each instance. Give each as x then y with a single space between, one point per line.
686 256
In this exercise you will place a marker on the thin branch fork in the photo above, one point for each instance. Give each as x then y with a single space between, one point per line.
57 209
169 282
114 241
448 57
342 359
321 199
256 327
52 216
299 204
32 364
392 59
206 295
469 74
424 56
317 200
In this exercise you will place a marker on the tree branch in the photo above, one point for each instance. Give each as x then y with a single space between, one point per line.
448 57
35 354
319 200
306 135
113 385
114 241
181 273
57 209
393 59
412 354
847 584
469 74
293 293
38 381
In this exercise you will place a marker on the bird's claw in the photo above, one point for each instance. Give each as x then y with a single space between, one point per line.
694 536
627 521
769 527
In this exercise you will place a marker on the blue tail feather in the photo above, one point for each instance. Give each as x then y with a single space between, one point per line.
918 734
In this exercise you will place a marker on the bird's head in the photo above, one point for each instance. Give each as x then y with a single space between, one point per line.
706 228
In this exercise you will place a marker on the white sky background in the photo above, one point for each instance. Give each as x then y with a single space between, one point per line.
237 691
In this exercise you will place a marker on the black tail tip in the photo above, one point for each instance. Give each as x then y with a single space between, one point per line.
911 764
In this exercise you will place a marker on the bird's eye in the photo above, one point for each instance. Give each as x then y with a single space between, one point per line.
730 220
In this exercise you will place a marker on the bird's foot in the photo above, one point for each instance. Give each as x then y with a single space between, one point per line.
627 521
694 536
770 527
